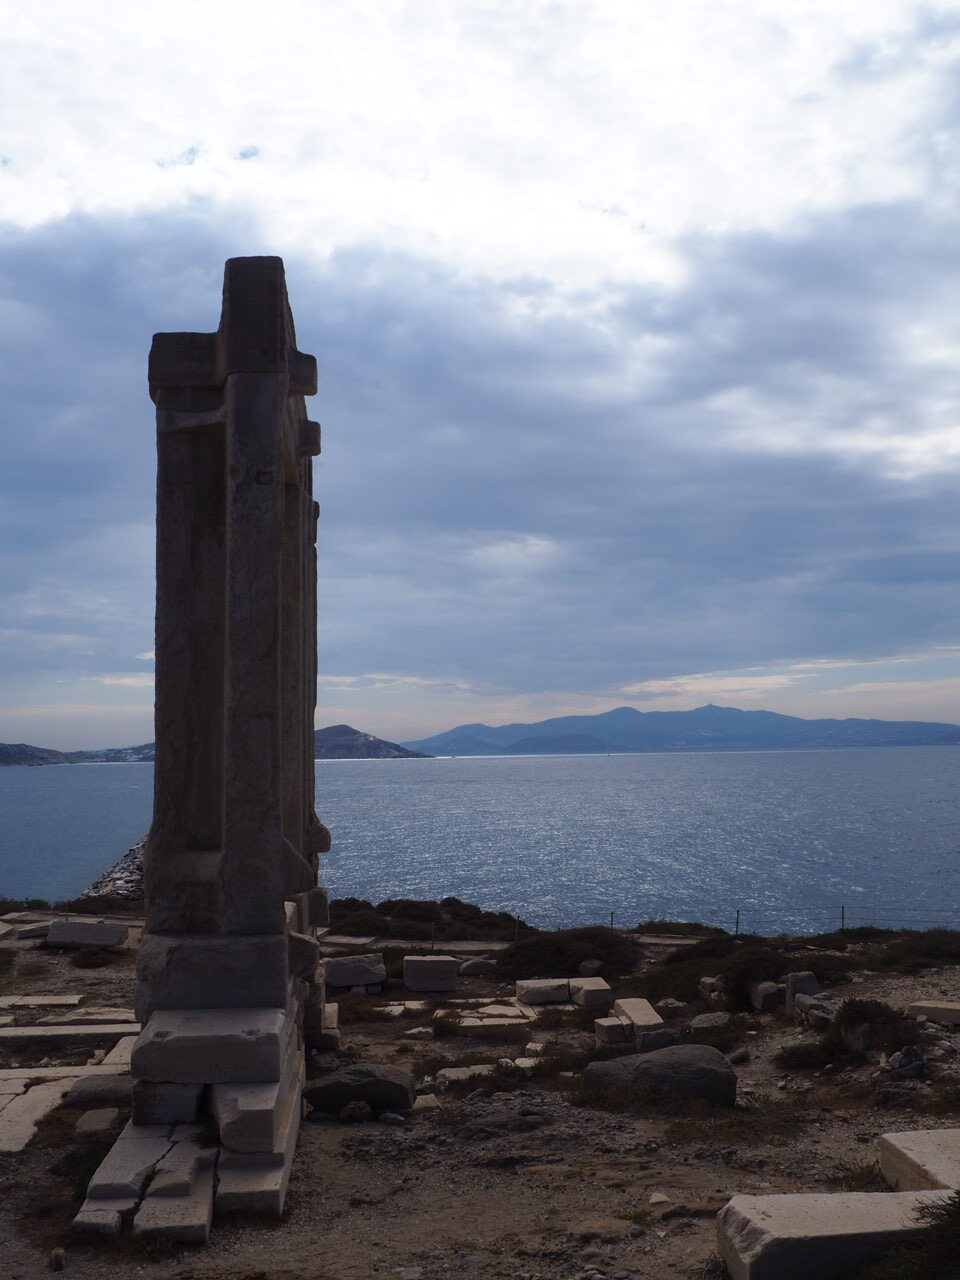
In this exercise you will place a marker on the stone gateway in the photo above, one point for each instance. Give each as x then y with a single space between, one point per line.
227 973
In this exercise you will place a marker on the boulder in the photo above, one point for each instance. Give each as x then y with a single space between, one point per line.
658 1038
478 968
690 1070
384 1087
764 996
590 968
100 1091
354 971
670 1008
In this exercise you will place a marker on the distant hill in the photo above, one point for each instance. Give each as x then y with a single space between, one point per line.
338 742
708 728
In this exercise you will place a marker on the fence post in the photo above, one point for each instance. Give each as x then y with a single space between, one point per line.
611 919
843 918
736 927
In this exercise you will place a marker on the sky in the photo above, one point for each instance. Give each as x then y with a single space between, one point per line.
637 333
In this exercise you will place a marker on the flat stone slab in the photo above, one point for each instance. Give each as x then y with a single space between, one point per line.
56 1073
103 1217
257 1183
100 1091
20 1117
946 1011
591 993
86 933
95 1036
430 973
211 1046
638 1012
130 1162
185 1217
921 1160
119 1055
543 991
83 1017
40 1002
99 1120
451 1075
794 1237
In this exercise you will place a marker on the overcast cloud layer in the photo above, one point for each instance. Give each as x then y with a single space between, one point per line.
637 336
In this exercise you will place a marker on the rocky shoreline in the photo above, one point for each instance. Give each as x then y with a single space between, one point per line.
124 879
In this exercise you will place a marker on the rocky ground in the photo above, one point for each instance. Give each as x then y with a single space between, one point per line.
517 1180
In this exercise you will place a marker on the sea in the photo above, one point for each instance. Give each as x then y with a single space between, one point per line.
763 842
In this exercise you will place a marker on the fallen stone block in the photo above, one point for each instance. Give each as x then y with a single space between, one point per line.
430 973
612 1031
384 1087
20 1117
921 1160
478 1028
639 1013
690 1071
591 993
426 1102
86 933
33 930
130 1162
670 1008
353 971
535 991
945 1011
793 1237
212 1046
797 984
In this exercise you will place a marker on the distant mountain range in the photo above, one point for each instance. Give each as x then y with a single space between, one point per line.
708 728
337 742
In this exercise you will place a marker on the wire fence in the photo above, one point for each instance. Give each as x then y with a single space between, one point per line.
771 918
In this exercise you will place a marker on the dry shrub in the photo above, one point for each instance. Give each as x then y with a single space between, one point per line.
934 1257
560 953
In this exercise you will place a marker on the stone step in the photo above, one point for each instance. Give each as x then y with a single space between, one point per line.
921 1160
794 1237
130 1162
534 991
